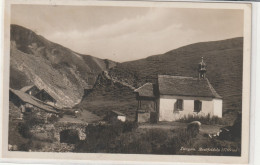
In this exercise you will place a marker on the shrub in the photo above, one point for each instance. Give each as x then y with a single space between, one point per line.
31 145
129 126
25 146
31 119
203 119
236 127
193 129
122 138
53 119
183 137
24 130
100 138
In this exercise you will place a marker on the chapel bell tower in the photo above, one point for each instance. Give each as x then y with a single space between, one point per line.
202 69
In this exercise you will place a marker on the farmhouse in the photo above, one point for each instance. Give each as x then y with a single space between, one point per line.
174 97
31 90
44 96
40 94
28 104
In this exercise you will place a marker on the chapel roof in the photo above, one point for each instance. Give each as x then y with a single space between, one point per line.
186 86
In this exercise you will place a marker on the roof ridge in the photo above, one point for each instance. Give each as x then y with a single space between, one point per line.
148 83
34 101
118 112
214 92
26 88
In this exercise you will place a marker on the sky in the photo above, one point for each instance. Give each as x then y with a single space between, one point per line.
127 33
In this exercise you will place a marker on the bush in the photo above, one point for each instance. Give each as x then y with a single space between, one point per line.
31 120
236 127
24 146
52 119
129 126
122 138
183 138
100 138
31 145
193 129
203 119
24 130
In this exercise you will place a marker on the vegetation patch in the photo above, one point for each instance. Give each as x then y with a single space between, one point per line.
203 119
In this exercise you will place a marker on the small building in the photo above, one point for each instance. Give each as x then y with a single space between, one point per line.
176 96
44 96
147 103
31 90
28 104
40 94
115 115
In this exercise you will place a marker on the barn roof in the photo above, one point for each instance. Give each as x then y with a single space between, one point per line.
26 88
186 86
33 101
146 90
118 113
45 93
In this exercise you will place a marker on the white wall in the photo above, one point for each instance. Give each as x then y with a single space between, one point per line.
166 110
122 118
207 108
217 107
167 113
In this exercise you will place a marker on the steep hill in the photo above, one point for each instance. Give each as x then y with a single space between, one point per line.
224 61
60 71
109 94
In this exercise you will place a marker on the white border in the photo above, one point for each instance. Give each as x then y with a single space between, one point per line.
136 157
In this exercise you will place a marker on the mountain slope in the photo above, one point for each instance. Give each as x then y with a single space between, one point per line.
60 71
109 94
224 61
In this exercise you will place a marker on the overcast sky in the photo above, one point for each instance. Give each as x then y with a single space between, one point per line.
127 33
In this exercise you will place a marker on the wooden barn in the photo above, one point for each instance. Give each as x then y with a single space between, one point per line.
44 96
28 104
40 94
31 90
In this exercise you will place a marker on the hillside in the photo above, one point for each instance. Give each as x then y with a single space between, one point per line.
224 71
60 71
109 94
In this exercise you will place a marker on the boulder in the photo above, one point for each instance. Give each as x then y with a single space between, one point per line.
193 128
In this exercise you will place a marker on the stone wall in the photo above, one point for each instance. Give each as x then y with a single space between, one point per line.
46 126
31 112
80 127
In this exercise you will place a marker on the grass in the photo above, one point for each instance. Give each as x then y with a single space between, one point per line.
209 120
112 139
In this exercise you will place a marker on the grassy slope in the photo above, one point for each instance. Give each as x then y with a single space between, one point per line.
224 71
108 95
